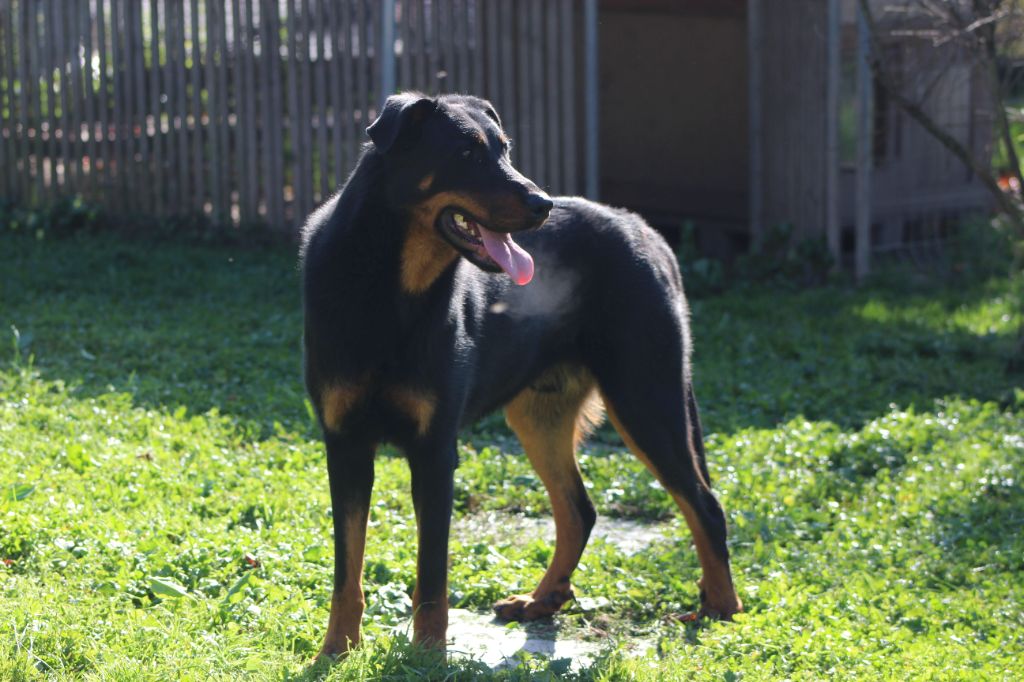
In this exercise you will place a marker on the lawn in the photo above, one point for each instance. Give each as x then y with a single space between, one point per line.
164 511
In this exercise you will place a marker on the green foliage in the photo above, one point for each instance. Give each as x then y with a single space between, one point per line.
62 217
782 261
71 215
1015 115
702 275
164 510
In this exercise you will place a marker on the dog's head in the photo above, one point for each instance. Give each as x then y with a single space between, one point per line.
450 170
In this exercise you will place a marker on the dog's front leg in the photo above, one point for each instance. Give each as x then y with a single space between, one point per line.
433 472
350 468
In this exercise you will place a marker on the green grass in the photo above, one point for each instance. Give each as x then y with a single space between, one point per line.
1000 159
164 510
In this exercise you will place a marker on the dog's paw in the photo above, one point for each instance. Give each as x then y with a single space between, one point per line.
524 607
335 648
721 604
329 654
724 611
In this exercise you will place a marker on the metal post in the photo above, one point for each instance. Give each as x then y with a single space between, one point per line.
387 50
833 76
755 122
591 97
865 146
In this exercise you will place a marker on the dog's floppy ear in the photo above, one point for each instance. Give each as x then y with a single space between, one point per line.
489 110
400 115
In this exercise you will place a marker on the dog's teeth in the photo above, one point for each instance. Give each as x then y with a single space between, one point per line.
460 220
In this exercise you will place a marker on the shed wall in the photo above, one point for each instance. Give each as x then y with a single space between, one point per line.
793 105
674 109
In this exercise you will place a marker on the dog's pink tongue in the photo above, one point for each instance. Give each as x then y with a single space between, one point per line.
509 255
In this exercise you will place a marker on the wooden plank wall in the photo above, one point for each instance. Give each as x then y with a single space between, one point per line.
794 129
254 110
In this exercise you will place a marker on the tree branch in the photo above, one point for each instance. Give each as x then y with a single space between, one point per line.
982 170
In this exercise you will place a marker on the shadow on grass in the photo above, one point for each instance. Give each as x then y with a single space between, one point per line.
220 328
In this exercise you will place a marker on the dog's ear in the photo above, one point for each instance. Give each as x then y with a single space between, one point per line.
489 110
400 116
484 106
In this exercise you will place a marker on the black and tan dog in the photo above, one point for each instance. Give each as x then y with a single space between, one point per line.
431 299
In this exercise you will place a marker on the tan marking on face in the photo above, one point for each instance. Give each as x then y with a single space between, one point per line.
418 405
337 401
426 182
480 138
425 254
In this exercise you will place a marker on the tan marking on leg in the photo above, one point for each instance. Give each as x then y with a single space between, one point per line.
590 417
430 620
347 603
426 182
720 597
416 404
547 422
337 400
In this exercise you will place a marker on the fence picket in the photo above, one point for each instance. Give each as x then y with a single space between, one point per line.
180 116
568 98
320 79
140 129
272 124
6 118
336 104
251 126
195 76
61 82
225 212
255 109
524 128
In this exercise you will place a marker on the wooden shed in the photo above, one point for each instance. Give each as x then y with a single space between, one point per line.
743 114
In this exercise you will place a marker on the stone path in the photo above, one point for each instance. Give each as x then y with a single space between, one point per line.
486 639
628 536
497 644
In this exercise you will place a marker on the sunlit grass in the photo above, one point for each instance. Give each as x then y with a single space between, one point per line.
164 510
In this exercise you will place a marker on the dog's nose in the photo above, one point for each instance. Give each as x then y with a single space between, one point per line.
539 205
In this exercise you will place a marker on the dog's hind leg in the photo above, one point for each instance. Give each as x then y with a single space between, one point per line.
550 419
646 394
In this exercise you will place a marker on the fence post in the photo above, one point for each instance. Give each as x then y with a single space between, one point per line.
865 110
387 49
755 123
591 96
833 76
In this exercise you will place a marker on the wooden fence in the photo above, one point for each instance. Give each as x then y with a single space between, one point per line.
255 110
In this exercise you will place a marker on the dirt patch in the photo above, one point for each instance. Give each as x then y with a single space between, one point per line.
492 527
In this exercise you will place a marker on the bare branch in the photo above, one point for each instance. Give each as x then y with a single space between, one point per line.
889 82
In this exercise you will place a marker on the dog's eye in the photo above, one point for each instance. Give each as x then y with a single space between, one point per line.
475 153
